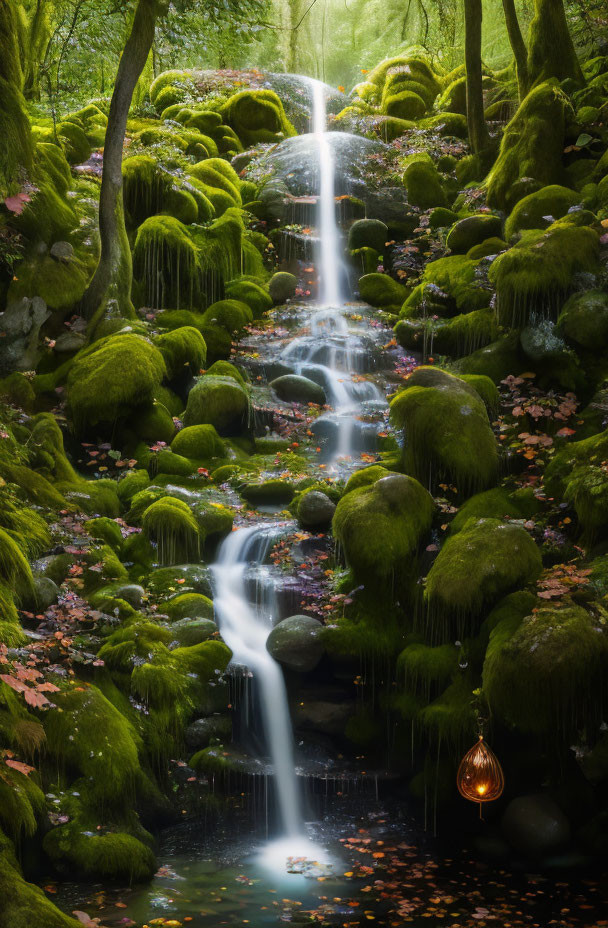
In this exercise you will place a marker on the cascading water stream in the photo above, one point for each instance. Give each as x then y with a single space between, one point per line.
329 237
245 630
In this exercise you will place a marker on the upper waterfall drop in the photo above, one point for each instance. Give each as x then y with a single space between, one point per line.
329 259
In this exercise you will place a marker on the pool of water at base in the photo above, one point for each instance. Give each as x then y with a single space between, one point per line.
373 866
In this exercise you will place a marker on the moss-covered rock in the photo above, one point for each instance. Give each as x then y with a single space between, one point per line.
183 349
539 209
257 116
189 606
231 315
166 263
296 389
422 182
543 674
112 378
25 904
253 294
296 642
479 565
531 149
74 142
537 272
583 320
282 287
200 442
380 290
368 233
397 509
170 523
447 434
218 401
472 230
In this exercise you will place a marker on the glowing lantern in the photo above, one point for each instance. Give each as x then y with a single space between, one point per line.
480 777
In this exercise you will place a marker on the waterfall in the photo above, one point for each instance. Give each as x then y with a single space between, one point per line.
329 258
245 630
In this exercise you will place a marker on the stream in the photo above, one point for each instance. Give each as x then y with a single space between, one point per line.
325 847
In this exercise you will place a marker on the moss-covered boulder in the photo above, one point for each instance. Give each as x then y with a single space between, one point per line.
422 182
170 523
472 230
184 351
294 388
166 264
296 642
256 297
531 149
447 433
395 508
189 606
257 116
282 287
543 674
231 315
380 290
112 378
218 401
25 904
368 233
583 320
539 209
315 509
479 565
200 442
538 271
91 851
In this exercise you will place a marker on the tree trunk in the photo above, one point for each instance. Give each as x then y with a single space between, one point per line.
551 49
111 283
479 138
36 37
518 46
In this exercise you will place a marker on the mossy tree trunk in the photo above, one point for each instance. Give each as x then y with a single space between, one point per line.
518 46
111 283
15 138
35 41
479 138
551 50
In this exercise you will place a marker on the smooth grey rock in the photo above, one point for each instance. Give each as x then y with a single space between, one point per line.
200 732
296 642
69 341
193 631
315 509
296 389
20 325
535 826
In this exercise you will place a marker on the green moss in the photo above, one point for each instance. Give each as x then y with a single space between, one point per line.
106 530
24 904
282 287
132 643
74 142
486 389
583 320
447 434
60 284
531 147
15 571
491 246
441 217
103 566
587 490
493 504
88 735
472 230
200 442
365 477
189 606
183 350
484 561
80 848
450 718
113 377
171 524
455 337
26 527
217 401
132 483
497 360
257 116
168 96
537 272
422 182
397 509
229 314
541 208
154 424
406 104
458 276
274 490
166 263
226 369
382 291
544 675
218 173
254 295
422 665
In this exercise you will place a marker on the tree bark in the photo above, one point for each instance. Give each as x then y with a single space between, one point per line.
551 52
111 282
518 46
479 138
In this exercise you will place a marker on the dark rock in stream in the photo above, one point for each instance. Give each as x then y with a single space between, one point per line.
296 642
200 732
535 825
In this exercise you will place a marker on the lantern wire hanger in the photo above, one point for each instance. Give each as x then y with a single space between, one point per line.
480 777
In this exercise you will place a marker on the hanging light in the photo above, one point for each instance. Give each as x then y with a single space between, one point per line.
480 777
